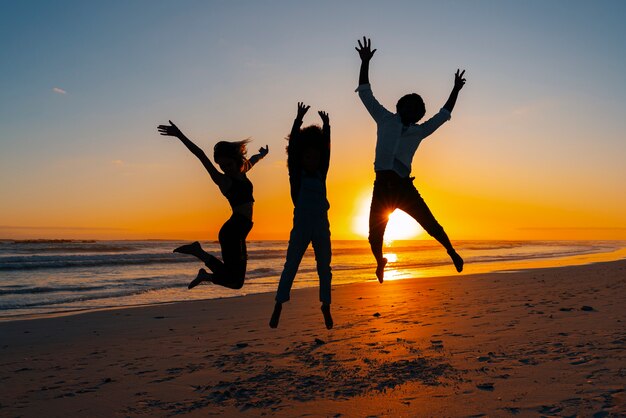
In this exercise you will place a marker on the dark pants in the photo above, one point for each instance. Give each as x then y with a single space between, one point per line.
232 236
393 192
314 229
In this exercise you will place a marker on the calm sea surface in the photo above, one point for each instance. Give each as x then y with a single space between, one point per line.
47 277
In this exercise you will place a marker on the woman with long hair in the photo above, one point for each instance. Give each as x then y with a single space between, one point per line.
232 181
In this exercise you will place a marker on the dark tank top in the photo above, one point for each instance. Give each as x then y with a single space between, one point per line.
239 192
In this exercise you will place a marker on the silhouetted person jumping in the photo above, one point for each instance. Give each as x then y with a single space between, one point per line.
398 136
308 157
235 186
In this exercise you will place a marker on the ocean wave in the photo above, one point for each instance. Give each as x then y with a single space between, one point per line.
94 279
83 294
77 296
49 289
564 252
271 256
94 248
66 246
35 262
262 272
75 261
70 299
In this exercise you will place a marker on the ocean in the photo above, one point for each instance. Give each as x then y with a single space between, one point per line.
44 277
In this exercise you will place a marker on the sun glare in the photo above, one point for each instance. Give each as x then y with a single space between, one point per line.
400 226
391 257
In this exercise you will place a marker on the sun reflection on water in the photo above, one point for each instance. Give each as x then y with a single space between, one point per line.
391 258
392 273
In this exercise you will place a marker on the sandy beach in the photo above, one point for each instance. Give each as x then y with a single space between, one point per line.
549 342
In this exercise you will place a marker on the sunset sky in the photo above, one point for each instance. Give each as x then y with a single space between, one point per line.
536 148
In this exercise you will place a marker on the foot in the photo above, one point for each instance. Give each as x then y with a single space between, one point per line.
202 276
276 315
328 320
192 249
457 260
380 269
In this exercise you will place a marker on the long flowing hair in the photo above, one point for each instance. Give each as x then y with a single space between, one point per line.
236 150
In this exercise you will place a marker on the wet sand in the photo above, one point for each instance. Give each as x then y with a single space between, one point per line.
549 342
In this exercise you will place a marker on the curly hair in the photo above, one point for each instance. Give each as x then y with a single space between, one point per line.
415 98
310 137
236 150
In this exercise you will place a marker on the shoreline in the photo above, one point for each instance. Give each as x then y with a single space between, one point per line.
432 272
541 342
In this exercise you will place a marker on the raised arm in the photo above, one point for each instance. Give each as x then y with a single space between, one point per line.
172 130
326 135
297 122
375 109
366 53
325 125
293 149
258 157
459 82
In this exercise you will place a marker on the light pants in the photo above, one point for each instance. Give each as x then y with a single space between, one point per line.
307 228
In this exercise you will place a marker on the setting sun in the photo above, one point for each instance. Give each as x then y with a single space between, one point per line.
400 226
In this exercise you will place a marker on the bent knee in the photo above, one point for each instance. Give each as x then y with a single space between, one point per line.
236 281
237 284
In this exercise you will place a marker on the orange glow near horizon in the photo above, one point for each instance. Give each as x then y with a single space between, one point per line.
182 212
177 200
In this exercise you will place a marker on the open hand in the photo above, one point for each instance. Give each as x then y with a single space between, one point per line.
263 151
169 130
324 116
459 81
302 109
365 49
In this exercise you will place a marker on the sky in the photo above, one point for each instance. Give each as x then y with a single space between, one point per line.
536 147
